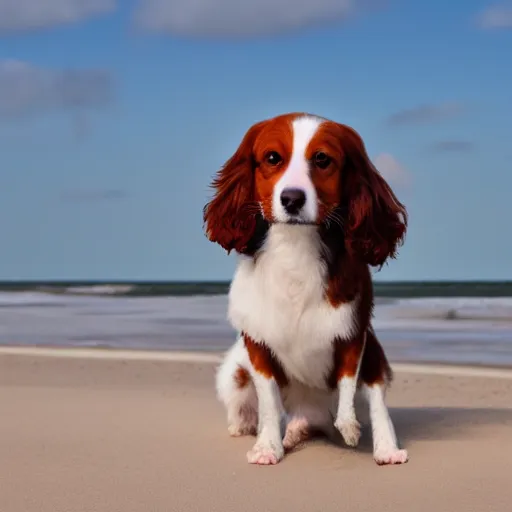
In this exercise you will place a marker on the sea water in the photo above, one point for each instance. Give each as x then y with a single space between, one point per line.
473 330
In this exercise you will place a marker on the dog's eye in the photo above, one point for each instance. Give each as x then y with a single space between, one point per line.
321 160
273 158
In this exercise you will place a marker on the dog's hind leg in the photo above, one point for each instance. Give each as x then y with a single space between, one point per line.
236 391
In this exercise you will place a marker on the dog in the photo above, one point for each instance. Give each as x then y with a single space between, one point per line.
308 215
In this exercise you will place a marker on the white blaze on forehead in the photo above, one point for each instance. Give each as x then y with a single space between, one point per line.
297 173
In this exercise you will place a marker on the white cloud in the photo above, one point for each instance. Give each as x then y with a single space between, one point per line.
391 169
241 18
496 17
24 15
26 90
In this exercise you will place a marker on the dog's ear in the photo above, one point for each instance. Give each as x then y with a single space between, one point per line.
375 220
231 217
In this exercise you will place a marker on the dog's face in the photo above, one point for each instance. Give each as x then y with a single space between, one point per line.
297 164
302 169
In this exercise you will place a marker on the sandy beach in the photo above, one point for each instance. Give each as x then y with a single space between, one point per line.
121 434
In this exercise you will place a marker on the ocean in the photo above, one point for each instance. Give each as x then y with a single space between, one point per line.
442 322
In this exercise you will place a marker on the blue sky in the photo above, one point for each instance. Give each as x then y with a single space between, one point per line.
115 115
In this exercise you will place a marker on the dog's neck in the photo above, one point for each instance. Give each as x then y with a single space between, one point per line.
328 238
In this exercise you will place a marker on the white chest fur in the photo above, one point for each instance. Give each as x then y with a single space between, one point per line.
280 300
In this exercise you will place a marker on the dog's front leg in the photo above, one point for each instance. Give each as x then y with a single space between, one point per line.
268 377
348 356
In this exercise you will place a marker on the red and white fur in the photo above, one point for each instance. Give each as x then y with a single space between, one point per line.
308 214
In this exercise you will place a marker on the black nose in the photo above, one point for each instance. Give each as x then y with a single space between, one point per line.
293 199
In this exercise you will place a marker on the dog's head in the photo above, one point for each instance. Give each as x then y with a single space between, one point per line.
305 170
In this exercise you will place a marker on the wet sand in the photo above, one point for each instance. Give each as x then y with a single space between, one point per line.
121 434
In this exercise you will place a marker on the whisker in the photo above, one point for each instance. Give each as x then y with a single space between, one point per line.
336 218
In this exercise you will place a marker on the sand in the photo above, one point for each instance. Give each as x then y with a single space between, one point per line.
94 435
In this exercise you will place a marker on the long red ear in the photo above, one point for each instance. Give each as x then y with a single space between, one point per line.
230 217
376 221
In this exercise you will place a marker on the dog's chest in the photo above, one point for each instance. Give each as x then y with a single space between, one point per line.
280 300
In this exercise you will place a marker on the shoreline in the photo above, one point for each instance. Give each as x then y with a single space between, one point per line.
215 357
411 331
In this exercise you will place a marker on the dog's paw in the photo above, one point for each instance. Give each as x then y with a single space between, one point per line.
391 456
297 431
265 455
350 430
